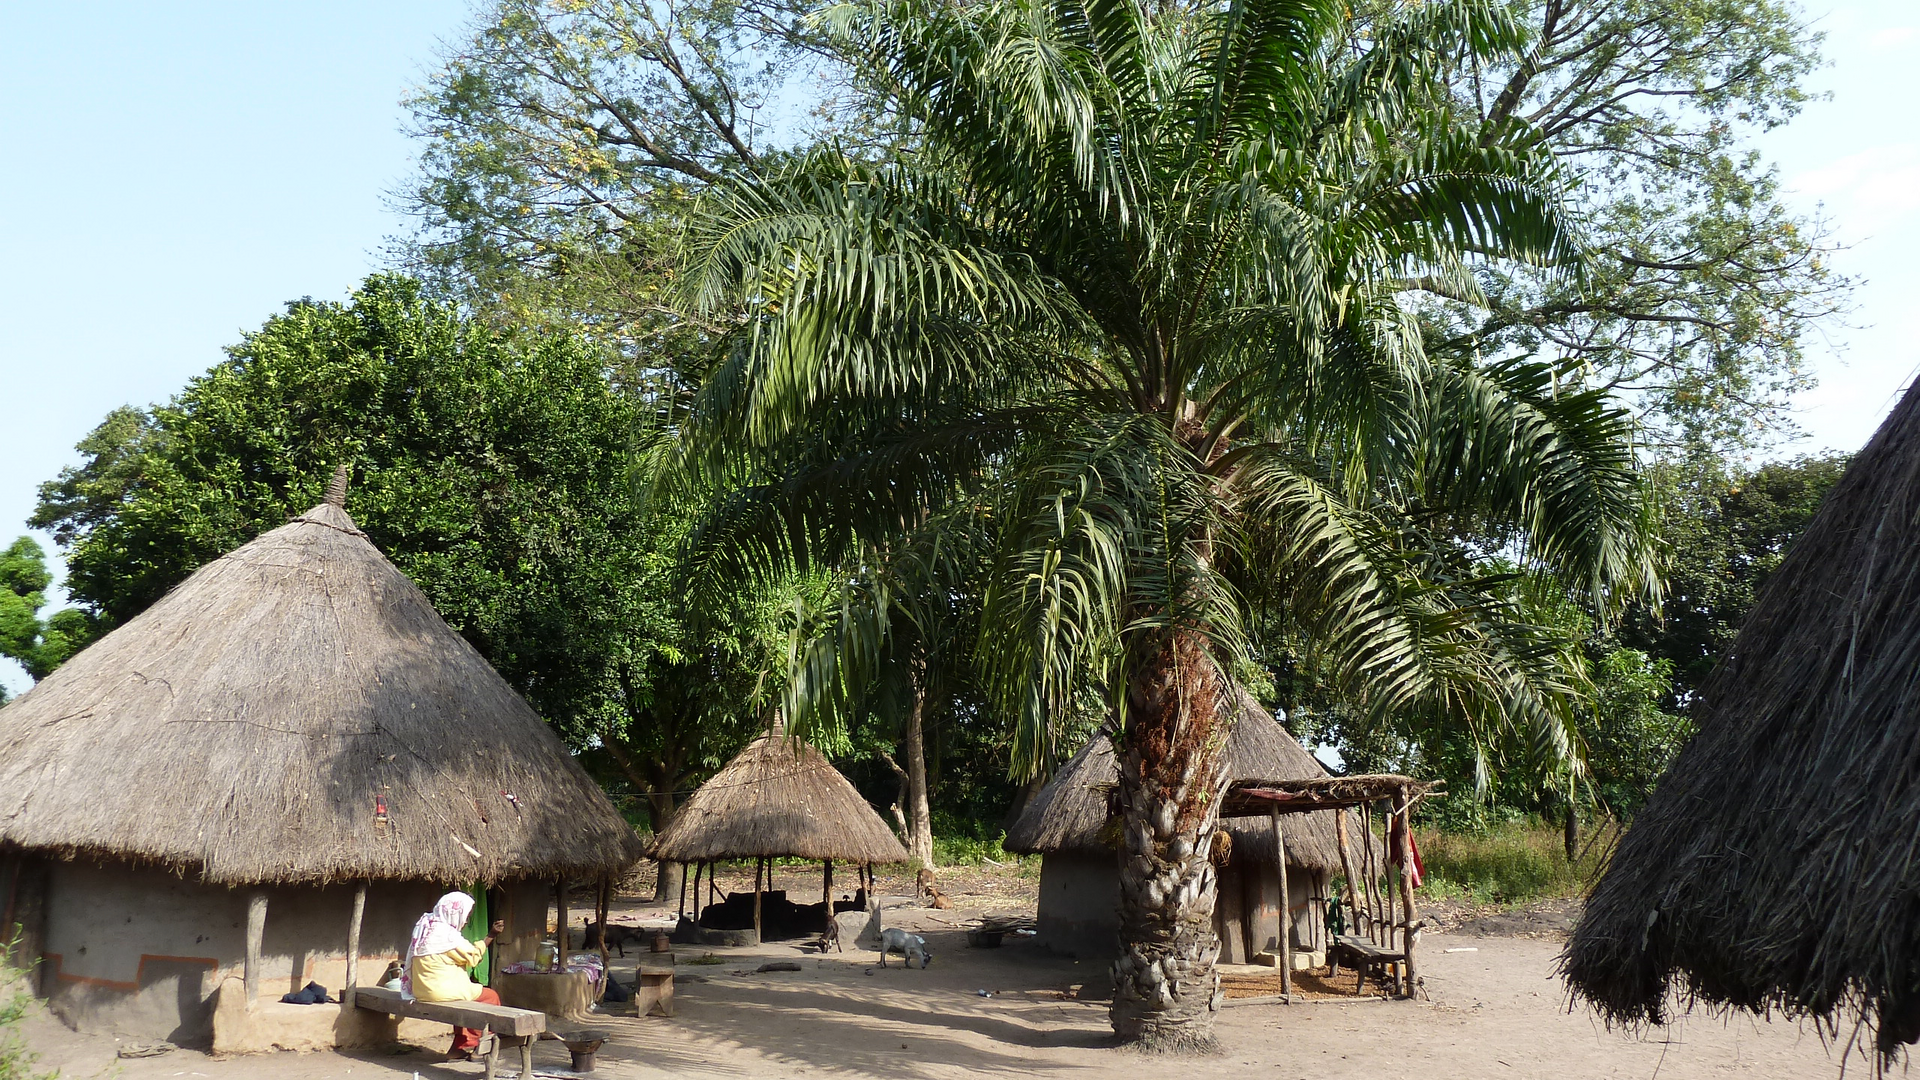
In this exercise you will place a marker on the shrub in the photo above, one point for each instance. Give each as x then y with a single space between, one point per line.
969 851
16 1060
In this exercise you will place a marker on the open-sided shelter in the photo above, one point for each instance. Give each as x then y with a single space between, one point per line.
1775 866
1380 872
779 798
1069 825
267 776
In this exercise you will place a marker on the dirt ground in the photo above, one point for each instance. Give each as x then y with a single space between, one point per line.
1495 1010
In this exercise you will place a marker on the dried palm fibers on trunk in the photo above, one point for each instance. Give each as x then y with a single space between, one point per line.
297 711
778 798
1776 865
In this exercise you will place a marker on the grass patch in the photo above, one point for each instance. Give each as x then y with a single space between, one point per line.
969 851
1509 863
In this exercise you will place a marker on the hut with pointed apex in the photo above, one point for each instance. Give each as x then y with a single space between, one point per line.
1069 825
264 779
779 798
1775 867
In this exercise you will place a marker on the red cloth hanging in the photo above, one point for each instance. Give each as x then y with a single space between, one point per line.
1396 827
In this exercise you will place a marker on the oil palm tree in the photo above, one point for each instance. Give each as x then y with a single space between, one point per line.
1140 317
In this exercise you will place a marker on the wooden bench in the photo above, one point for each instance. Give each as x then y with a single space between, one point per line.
514 1027
1361 955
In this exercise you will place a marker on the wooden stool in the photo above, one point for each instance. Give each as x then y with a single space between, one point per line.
653 990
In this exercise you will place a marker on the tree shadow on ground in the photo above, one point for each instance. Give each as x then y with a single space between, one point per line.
835 1016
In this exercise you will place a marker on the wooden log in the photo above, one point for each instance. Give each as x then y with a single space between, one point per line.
353 943
256 933
1286 905
1403 806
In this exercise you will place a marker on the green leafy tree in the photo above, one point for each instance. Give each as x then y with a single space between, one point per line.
1702 284
493 469
561 142
38 643
1630 737
1727 530
1139 301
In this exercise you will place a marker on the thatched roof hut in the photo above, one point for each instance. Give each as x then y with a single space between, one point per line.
1775 867
295 729
247 727
1067 823
1070 813
778 798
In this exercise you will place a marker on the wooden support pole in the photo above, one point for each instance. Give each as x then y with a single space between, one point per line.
256 933
1370 877
560 908
758 866
1286 905
683 888
1346 864
826 887
1365 928
353 943
1403 807
606 967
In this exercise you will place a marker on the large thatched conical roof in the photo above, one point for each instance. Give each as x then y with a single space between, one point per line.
1777 866
778 798
1070 813
250 725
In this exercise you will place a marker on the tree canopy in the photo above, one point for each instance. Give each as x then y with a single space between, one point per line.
493 469
1727 529
1144 301
38 642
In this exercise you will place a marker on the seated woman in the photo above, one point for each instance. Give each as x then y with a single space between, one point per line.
437 963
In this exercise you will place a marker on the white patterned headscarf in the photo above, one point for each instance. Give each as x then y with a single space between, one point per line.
436 932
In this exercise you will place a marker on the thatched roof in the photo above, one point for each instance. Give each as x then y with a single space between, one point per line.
1776 865
244 727
778 798
1070 813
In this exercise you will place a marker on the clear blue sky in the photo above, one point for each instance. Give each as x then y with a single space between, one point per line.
176 172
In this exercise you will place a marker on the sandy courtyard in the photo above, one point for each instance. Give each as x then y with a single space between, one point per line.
1494 1012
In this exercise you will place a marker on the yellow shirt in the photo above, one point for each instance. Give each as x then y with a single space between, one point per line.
443 976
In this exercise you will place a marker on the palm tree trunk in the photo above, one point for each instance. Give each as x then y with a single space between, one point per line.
1172 774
